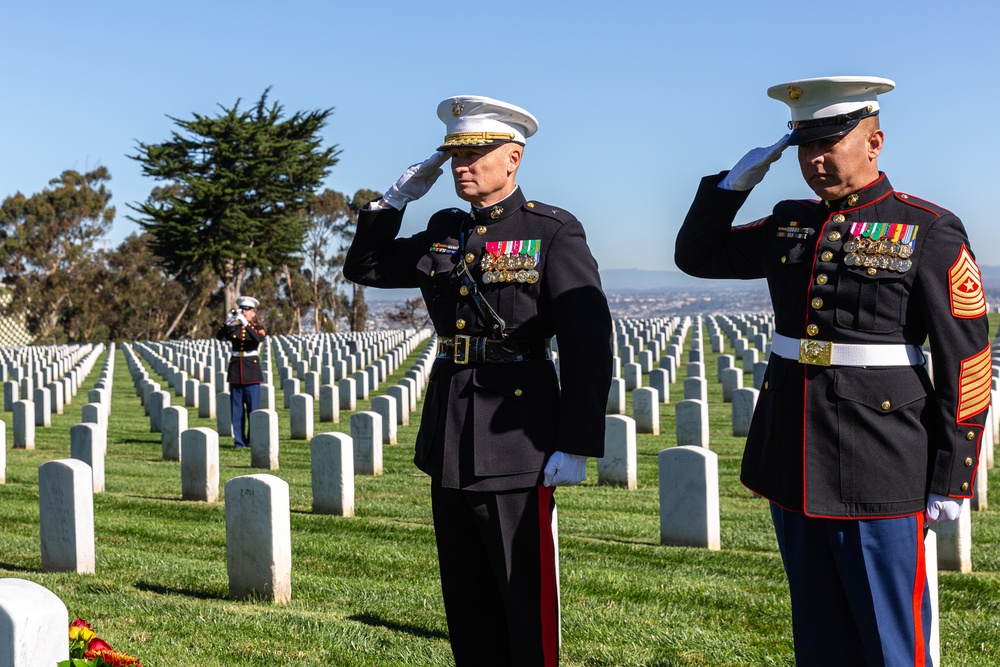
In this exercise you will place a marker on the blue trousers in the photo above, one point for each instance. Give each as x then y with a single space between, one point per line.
859 589
243 399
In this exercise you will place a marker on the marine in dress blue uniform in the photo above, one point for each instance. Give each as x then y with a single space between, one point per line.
851 441
499 428
244 375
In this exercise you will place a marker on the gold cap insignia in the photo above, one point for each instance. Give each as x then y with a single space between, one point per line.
794 93
496 211
457 108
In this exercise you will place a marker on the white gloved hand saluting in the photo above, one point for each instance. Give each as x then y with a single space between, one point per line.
415 181
243 320
942 508
750 170
565 469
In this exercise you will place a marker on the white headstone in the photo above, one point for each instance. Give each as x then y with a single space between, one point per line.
348 394
66 516
259 538
366 432
744 402
689 497
174 423
332 464
618 466
692 423
386 406
329 404
24 425
264 439
646 410
200 464
89 443
301 417
954 542
33 625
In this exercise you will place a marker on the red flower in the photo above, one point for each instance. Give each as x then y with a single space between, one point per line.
114 658
98 644
80 623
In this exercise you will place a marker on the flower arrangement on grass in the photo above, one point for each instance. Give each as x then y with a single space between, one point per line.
86 649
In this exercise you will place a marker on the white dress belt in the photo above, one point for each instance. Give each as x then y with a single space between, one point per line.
824 353
249 353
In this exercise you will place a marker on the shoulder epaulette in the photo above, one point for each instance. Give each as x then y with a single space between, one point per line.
917 202
538 208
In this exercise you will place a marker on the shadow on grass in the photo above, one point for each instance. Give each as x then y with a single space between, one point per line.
375 621
167 590
18 568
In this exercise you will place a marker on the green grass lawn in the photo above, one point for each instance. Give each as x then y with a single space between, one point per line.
365 589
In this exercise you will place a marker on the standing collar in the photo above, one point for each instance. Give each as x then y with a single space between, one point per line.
871 193
501 209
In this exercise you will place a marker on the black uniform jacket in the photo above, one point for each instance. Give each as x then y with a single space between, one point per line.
843 441
243 369
492 426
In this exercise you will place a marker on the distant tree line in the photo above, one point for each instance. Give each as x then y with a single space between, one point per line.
237 210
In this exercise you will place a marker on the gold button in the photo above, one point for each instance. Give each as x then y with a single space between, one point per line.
968 462
530 204
853 199
826 256
834 236
886 405
432 273
518 392
839 217
872 270
765 385
783 259
902 196
821 279
817 303
470 258
971 435
463 290
812 329
965 486
481 229
460 324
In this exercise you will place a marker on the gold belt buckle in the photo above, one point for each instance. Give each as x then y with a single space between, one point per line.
461 355
815 352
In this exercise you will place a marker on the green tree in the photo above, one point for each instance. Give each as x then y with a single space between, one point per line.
413 313
237 188
332 220
49 257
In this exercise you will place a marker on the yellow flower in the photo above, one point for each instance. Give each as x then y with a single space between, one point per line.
81 633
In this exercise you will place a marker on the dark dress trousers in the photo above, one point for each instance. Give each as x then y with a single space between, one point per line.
488 427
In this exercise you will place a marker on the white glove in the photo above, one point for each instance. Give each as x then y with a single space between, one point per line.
750 170
942 508
244 321
565 469
415 181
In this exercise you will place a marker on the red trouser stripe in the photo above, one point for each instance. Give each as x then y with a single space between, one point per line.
919 583
549 603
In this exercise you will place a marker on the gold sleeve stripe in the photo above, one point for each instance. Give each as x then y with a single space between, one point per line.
967 297
974 385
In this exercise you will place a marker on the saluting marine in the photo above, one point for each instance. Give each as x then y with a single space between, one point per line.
850 440
499 428
245 335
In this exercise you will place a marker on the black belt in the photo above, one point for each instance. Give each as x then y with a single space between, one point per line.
475 349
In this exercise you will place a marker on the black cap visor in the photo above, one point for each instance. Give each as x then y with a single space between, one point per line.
817 129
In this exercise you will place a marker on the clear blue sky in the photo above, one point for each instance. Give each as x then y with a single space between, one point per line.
636 100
